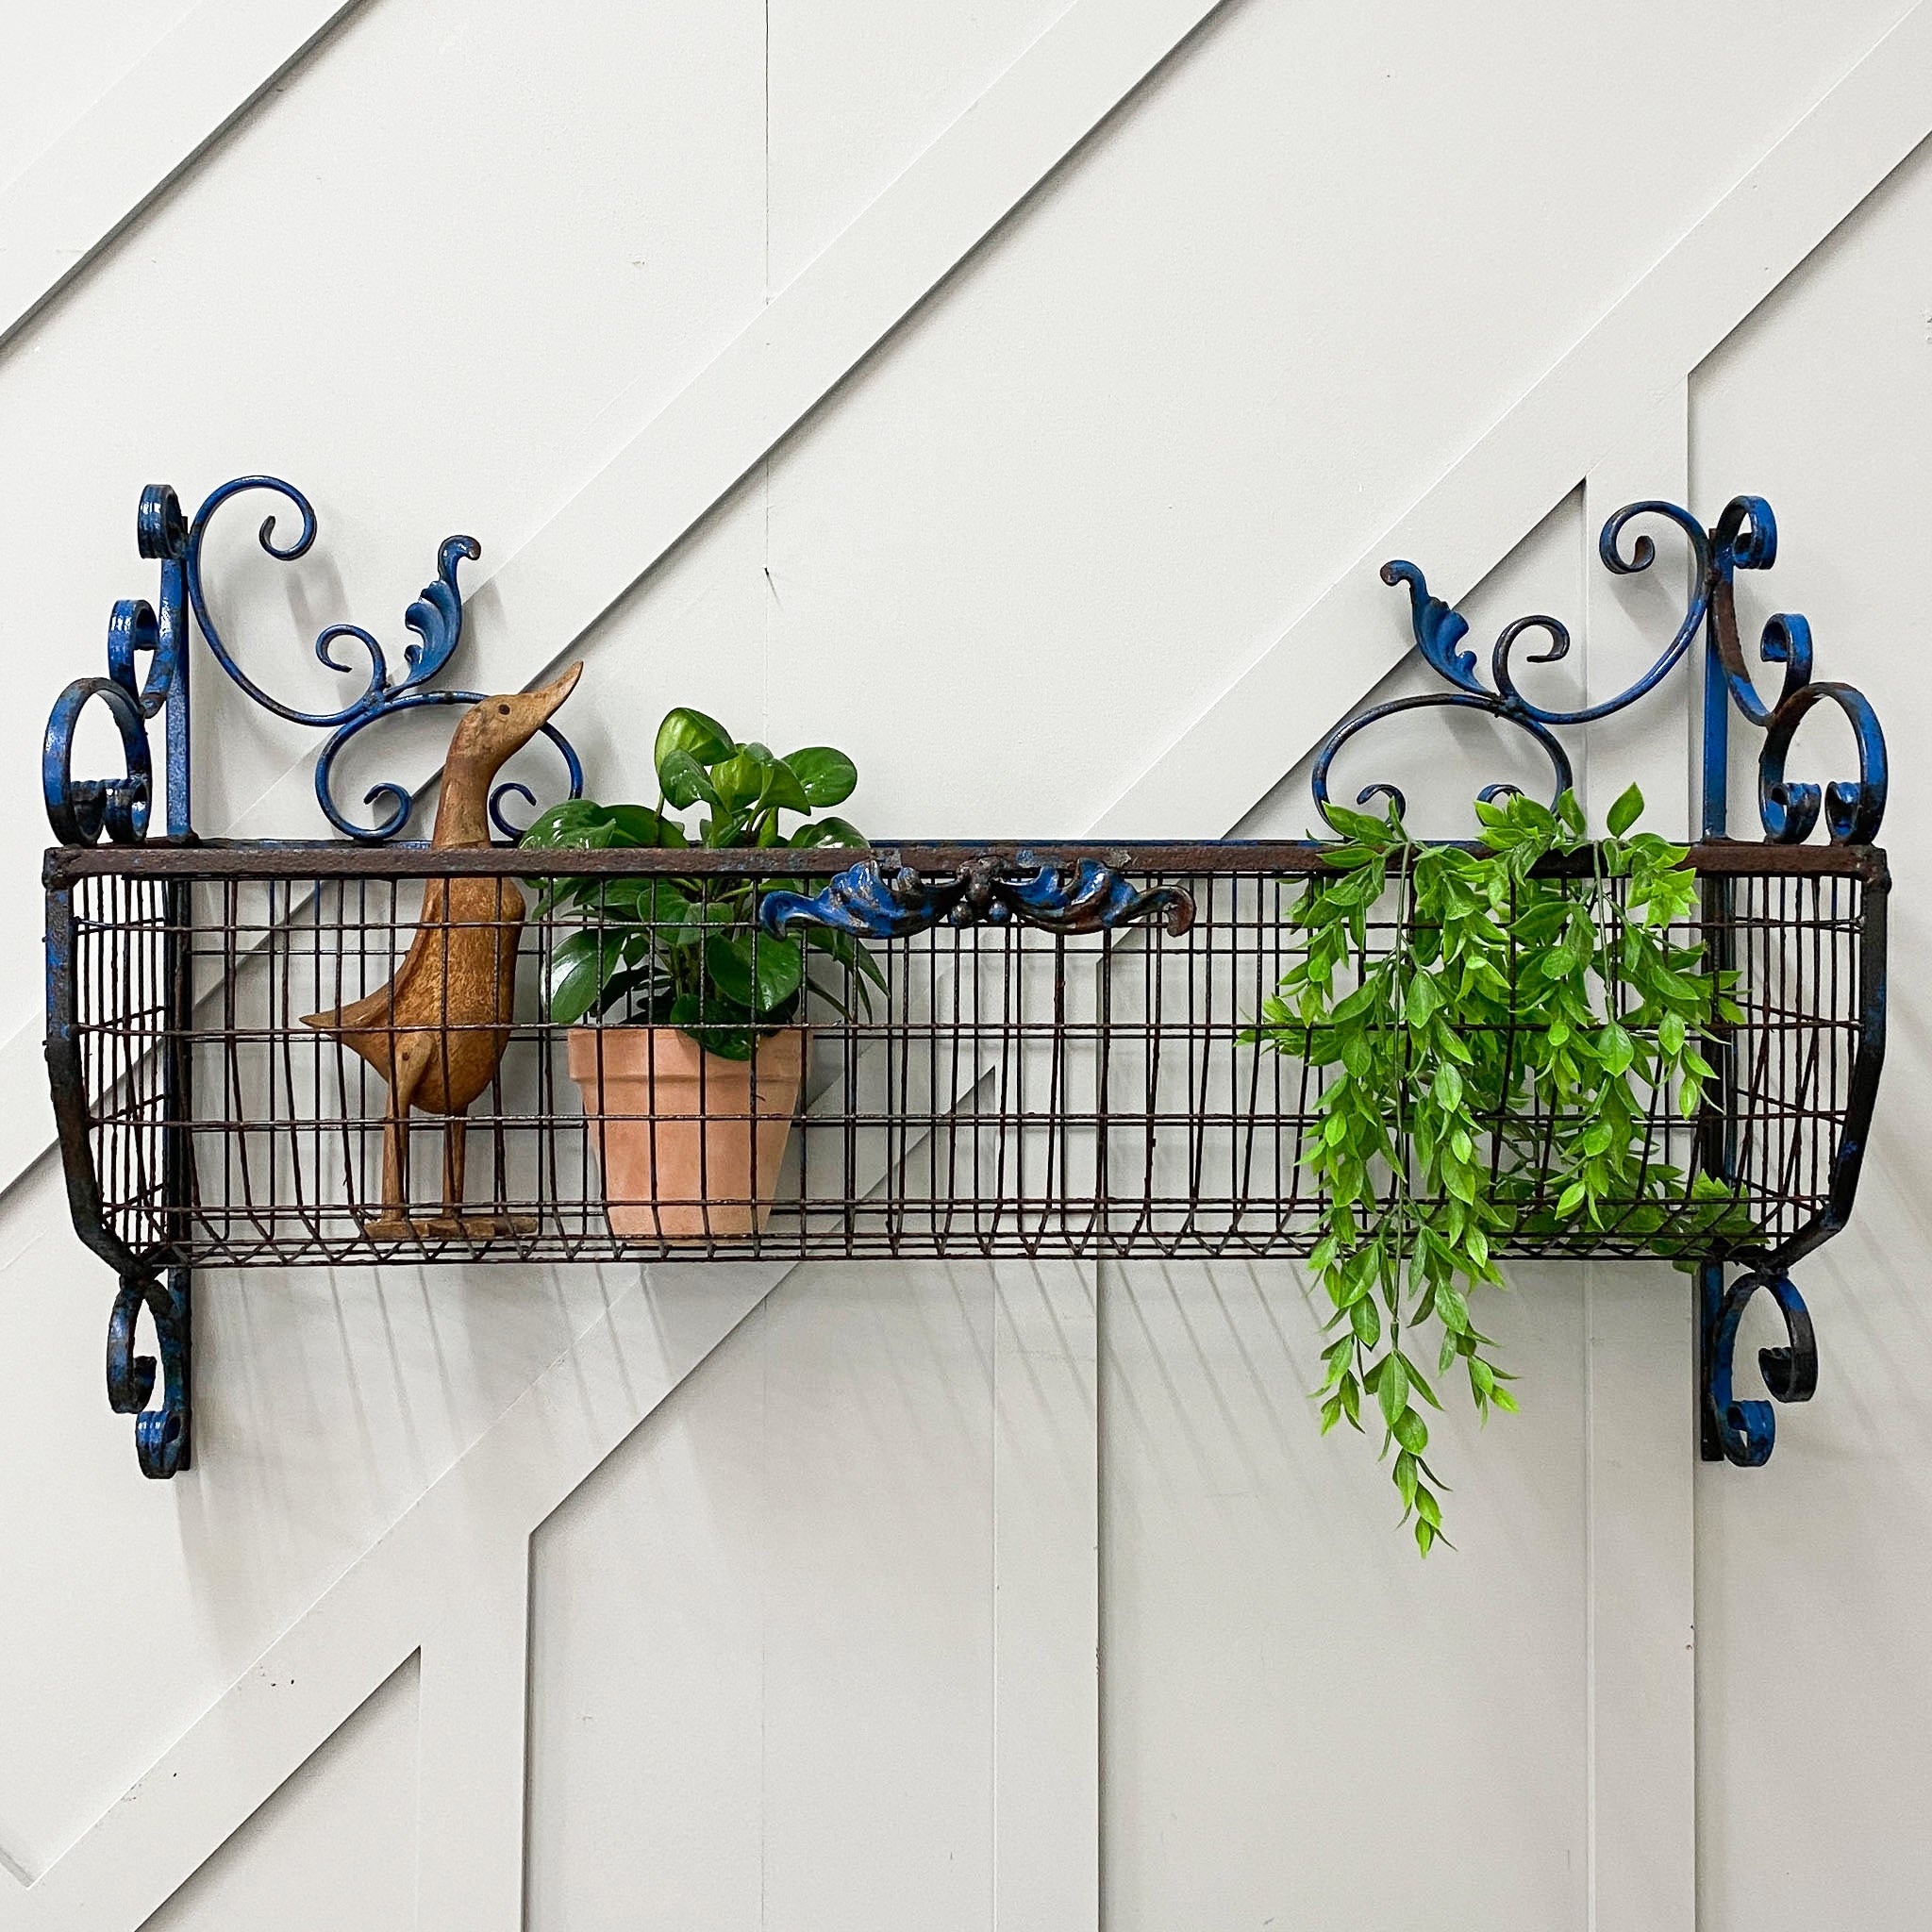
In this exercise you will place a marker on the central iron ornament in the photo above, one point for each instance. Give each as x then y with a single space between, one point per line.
890 901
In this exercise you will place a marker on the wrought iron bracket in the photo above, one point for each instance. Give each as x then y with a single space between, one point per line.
884 898
1744 1431
1744 538
147 673
148 677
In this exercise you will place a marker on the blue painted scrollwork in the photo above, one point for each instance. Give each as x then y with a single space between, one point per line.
1744 538
1743 1432
161 1435
81 809
1079 896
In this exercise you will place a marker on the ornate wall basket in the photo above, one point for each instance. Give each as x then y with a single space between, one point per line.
1052 1061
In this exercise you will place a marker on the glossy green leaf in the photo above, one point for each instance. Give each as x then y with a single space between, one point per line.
826 776
639 825
755 971
740 780
686 782
1392 1389
691 734
783 791
831 830
717 1026
578 968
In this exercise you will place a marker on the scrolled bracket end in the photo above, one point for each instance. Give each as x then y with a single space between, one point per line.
162 1435
1744 1432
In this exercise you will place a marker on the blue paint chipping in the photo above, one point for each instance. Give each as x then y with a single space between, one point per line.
882 898
1744 538
148 677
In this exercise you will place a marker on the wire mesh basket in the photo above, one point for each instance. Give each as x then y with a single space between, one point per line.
989 1087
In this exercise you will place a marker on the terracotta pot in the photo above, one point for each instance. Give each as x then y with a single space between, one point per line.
673 1127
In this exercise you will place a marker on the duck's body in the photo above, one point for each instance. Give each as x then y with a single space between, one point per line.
436 1032
452 1000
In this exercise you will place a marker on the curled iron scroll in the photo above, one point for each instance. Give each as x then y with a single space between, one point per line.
1747 1430
1744 538
81 809
161 1435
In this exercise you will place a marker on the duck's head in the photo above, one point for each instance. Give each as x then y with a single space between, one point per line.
495 729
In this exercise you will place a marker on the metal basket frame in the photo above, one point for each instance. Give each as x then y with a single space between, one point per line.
1088 1000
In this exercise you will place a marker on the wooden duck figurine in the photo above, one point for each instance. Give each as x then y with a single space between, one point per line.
437 1032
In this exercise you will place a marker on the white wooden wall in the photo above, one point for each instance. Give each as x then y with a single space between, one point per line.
1022 396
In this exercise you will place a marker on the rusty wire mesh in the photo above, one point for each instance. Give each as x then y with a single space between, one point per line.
1007 1091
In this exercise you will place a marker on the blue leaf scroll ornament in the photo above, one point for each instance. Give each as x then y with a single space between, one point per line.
81 809
1072 896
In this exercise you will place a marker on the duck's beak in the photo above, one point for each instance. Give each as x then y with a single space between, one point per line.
550 695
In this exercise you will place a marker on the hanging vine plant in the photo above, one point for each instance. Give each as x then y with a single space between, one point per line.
1503 1039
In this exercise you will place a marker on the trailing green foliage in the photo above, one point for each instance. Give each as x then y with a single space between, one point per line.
688 951
1501 1042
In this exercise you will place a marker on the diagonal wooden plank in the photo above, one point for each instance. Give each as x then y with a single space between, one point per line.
154 122
413 1590
598 544
450 1580
1696 294
813 333
771 377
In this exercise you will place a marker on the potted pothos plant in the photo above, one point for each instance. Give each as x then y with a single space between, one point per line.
1498 1057
687 1035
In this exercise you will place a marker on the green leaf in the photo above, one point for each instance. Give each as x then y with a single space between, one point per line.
831 830
1392 1389
741 780
1616 1048
826 776
1625 812
699 738
1412 1431
579 969
782 789
639 825
686 781
1365 1318
717 1026
755 971
660 904
578 824
1356 824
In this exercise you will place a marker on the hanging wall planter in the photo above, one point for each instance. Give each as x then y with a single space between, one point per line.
1062 1051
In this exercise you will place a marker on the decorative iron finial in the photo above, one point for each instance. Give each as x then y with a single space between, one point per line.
81 809
1744 538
